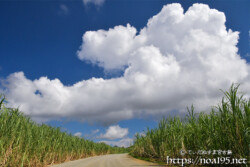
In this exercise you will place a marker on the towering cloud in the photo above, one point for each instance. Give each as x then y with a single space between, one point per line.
176 60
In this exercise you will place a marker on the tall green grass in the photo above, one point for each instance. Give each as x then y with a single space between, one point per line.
25 143
226 127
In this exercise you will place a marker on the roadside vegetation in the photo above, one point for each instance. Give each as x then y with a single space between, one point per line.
26 143
226 127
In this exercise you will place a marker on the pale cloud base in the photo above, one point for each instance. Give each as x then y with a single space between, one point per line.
176 60
126 142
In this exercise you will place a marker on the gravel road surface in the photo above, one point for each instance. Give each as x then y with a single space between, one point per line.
112 160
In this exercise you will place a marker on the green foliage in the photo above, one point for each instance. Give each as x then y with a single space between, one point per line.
226 127
25 143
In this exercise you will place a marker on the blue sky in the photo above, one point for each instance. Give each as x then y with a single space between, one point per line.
44 39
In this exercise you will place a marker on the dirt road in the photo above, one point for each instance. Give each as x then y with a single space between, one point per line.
113 160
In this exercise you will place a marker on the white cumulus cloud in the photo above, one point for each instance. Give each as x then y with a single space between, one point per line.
95 2
95 131
176 60
64 10
125 142
78 134
114 132
92 135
